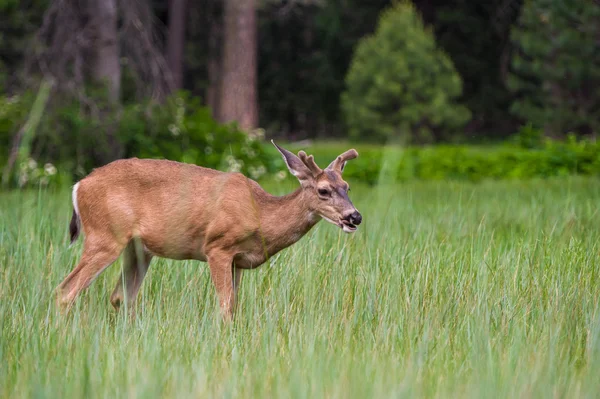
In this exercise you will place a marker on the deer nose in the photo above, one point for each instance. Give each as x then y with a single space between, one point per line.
355 218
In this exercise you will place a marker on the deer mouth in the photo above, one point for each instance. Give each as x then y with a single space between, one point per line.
343 224
347 226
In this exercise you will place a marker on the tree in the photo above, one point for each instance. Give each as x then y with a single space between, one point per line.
105 67
239 98
556 70
213 63
176 40
304 53
18 21
105 71
89 49
476 36
400 85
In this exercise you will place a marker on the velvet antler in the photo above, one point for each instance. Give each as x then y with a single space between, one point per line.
310 163
340 161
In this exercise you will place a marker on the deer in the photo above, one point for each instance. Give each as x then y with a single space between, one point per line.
147 208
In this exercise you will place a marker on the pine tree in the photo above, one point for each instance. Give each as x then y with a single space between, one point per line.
556 69
400 84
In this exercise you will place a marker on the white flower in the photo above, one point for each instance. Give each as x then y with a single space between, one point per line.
174 130
256 134
31 163
44 181
50 169
234 168
252 171
256 173
235 165
280 176
22 180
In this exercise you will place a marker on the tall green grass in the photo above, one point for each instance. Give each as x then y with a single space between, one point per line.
446 290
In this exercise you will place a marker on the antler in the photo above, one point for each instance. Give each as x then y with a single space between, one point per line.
310 163
338 163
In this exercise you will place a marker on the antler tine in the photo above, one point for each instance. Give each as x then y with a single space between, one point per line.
310 163
338 163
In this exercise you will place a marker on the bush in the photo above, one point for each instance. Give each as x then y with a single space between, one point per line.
180 130
185 131
13 113
470 163
400 85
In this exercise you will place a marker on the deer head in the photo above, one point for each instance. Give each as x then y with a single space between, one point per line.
325 189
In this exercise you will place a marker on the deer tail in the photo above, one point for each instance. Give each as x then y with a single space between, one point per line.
75 225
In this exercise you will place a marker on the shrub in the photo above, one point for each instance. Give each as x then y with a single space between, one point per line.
185 131
400 85
180 130
13 113
471 163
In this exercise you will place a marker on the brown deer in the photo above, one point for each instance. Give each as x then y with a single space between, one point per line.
149 208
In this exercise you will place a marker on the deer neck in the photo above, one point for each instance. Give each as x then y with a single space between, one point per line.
286 219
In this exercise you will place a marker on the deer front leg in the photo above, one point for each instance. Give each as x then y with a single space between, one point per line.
237 280
221 272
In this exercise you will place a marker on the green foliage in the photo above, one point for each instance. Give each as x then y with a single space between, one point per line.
469 163
529 136
13 114
475 35
18 22
401 85
180 130
304 55
185 131
557 65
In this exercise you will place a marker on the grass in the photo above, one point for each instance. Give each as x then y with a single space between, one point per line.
447 290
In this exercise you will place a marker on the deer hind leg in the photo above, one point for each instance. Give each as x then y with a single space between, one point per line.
94 260
136 263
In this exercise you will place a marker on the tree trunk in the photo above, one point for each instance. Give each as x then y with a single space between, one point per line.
105 70
105 66
176 40
238 100
215 38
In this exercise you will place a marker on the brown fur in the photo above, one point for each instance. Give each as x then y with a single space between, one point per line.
149 208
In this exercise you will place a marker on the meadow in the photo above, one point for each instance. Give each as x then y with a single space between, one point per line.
447 290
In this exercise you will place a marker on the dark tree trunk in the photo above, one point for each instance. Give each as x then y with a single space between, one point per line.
239 99
105 70
104 66
215 38
176 40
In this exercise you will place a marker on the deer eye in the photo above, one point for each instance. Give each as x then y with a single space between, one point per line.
323 192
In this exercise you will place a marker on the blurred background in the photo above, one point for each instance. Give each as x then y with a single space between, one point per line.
428 89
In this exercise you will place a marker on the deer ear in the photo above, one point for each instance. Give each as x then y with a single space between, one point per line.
294 164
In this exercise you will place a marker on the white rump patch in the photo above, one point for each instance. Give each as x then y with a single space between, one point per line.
75 206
